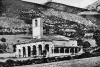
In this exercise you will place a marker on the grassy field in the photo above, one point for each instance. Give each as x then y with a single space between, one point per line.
87 62
13 39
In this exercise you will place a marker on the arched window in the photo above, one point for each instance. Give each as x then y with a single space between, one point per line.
36 23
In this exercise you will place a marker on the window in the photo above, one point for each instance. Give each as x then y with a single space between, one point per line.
56 50
62 50
36 23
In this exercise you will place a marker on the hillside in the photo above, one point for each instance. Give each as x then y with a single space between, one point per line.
65 8
11 23
94 15
26 11
95 6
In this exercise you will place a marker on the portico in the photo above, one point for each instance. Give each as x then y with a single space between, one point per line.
33 49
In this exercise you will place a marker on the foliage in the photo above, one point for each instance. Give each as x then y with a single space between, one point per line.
96 36
3 40
86 44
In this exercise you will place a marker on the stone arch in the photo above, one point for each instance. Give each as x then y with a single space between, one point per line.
24 52
40 49
29 51
47 47
34 50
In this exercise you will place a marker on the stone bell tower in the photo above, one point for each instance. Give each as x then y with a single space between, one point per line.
37 28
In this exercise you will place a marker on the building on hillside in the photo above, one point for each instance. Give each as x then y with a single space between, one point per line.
50 45
70 32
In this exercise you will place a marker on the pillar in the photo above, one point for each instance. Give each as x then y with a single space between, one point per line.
43 47
77 50
50 50
64 50
17 53
37 50
31 50
21 52
26 51
69 50
53 51
59 49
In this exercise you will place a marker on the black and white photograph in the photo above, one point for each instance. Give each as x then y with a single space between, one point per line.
49 33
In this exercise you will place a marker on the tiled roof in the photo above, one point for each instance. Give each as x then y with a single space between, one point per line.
48 38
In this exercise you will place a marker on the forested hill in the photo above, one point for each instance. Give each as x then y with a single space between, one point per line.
94 6
17 8
66 8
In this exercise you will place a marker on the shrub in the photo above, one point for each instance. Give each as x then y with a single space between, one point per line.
10 62
3 40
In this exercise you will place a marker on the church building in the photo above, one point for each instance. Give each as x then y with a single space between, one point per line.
50 45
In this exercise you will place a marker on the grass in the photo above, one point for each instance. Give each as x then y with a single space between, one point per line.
86 62
13 39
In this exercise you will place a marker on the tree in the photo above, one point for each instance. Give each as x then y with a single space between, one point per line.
80 42
96 36
86 44
98 8
3 40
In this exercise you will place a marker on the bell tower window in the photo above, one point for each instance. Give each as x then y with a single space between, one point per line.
36 23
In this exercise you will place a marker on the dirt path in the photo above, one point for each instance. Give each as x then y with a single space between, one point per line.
87 62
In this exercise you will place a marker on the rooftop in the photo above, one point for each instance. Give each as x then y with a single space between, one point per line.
49 38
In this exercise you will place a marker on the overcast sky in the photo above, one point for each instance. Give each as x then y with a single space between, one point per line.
77 3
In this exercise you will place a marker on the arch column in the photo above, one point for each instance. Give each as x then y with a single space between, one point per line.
74 50
50 49
64 50
43 47
59 50
26 51
31 50
21 52
69 50
37 50
53 51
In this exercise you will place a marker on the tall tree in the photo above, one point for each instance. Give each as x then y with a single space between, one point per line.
96 36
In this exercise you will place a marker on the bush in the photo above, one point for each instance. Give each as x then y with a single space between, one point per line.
3 40
10 62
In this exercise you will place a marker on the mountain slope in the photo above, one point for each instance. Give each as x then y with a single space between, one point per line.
18 9
65 8
95 6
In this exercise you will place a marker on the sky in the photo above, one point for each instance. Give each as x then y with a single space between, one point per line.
77 3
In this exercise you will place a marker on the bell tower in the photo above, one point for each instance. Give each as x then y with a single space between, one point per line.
37 28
